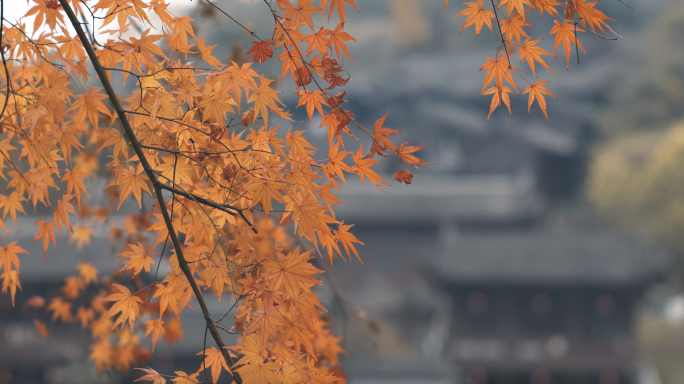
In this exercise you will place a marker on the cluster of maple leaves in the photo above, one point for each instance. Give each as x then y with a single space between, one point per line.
240 185
511 23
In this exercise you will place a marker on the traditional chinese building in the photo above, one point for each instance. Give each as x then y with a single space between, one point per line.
544 307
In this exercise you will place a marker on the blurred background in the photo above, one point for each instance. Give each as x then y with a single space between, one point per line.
534 252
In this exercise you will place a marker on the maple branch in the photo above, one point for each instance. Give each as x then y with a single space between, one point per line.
182 262
498 24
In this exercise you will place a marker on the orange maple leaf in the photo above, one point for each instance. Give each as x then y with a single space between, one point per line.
587 14
347 239
531 53
338 38
137 259
566 33
515 5
261 50
477 16
214 361
498 70
126 303
89 105
363 168
133 181
299 14
87 271
548 6
312 100
500 94
156 327
290 271
405 153
264 98
152 375
404 176
10 279
265 191
339 4
512 28
47 233
538 90
12 204
42 328
75 184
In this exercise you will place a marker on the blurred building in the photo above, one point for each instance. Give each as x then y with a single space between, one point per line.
502 274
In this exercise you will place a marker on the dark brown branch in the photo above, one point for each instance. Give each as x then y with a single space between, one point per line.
182 262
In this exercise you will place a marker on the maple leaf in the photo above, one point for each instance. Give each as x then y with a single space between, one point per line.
512 28
531 53
381 133
265 191
42 328
347 239
184 378
126 303
137 259
8 256
82 235
299 14
404 176
515 5
176 169
591 16
299 147
405 153
538 90
312 100
290 271
263 98
339 5
60 309
261 50
566 33
215 105
498 70
133 181
87 271
336 164
477 16
214 361
152 375
75 184
500 93
12 204
47 233
363 167
156 327
10 280
318 40
548 6
205 53
36 302
216 276
72 287
182 28
89 105
260 372
101 353
337 40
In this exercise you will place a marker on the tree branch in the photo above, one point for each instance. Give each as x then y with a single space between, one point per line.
102 74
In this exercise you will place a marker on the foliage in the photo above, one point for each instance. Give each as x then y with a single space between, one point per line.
511 18
242 204
636 182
